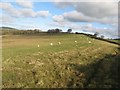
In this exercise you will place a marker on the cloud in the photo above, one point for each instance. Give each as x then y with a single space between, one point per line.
75 16
24 3
101 12
58 18
72 25
10 9
24 12
43 13
97 9
62 4
5 5
31 13
57 1
27 13
86 27
5 19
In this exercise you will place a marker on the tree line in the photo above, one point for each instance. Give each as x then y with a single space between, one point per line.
6 31
19 32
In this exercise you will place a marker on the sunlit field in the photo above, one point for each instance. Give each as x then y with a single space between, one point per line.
62 60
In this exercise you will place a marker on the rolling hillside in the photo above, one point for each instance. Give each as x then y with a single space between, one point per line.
63 60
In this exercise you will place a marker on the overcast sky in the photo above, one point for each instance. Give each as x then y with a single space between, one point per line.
89 17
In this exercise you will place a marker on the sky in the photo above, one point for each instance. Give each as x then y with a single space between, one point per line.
91 16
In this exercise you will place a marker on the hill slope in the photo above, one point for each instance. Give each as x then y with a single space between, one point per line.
6 28
79 61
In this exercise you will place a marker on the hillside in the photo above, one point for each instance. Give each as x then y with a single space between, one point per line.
70 61
7 30
14 31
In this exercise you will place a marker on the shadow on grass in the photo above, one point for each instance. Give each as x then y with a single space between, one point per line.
102 73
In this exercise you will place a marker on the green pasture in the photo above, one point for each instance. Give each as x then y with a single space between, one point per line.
69 64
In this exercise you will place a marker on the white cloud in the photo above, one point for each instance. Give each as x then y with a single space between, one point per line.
88 28
57 1
43 13
101 12
75 16
72 25
9 9
5 5
6 19
24 3
58 18
24 12
31 13
97 9
62 4
27 13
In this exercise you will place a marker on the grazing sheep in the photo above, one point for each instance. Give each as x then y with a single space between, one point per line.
51 44
75 41
59 43
38 46
89 41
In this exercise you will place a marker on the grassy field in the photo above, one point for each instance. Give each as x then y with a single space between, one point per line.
79 61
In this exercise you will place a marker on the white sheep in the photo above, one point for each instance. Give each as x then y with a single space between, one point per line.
59 43
89 41
38 46
51 44
75 41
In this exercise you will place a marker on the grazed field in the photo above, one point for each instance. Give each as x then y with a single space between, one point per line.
70 64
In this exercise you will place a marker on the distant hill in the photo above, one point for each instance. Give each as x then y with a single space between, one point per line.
7 28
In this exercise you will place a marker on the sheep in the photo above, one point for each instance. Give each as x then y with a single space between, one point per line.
38 46
51 44
75 41
59 43
89 41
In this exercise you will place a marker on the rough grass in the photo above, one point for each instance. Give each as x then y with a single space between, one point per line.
81 64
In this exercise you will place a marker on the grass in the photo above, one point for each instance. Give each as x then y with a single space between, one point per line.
67 65
118 41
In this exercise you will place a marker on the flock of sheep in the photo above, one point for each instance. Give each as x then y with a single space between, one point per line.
59 43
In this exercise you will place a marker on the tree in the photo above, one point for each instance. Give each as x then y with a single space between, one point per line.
58 30
54 30
96 34
102 36
69 30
